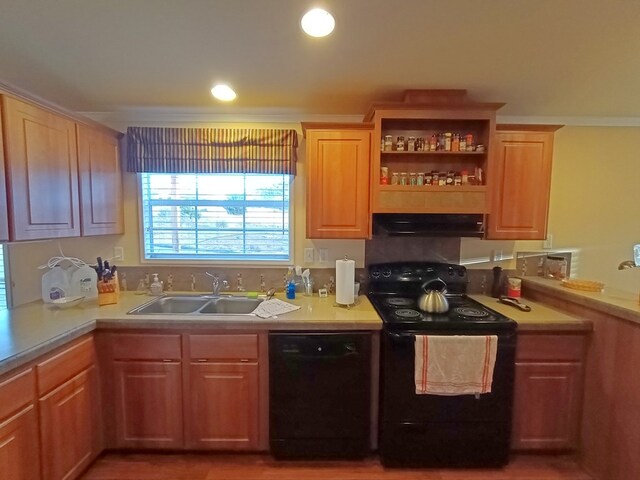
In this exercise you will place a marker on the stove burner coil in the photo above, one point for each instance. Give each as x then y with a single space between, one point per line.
399 302
471 312
407 313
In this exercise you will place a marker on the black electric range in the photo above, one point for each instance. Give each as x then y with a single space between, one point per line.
434 430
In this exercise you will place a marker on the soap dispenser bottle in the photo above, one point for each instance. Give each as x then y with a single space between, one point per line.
156 285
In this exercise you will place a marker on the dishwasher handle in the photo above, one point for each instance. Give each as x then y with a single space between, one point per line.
317 352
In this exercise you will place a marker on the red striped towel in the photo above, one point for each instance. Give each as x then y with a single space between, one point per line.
454 364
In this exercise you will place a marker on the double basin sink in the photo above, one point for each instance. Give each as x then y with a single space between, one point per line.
197 305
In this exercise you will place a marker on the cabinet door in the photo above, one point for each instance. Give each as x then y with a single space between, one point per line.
4 221
224 406
100 182
70 431
338 183
148 404
42 172
521 187
546 406
19 455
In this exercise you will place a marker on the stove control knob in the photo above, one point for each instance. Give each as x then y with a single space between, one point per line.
375 273
461 272
451 272
386 273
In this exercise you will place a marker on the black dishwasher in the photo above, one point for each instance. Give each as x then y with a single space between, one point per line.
319 394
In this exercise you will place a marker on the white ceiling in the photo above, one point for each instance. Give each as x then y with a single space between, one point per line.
566 58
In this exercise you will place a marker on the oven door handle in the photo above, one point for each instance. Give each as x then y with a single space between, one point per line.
400 338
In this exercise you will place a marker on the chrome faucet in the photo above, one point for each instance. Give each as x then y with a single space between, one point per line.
217 285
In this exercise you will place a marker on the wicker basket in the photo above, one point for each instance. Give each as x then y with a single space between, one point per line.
584 285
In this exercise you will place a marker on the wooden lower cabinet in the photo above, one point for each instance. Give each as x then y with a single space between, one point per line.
147 400
19 455
19 446
223 406
69 426
548 392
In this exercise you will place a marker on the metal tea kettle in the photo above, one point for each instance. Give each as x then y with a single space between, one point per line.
433 299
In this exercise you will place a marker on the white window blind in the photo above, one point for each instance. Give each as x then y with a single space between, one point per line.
216 216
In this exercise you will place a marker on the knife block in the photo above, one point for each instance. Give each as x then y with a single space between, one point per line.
108 292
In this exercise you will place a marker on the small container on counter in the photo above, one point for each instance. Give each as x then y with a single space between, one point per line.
404 180
395 179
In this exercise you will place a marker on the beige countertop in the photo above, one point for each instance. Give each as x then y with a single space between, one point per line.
610 302
540 318
34 329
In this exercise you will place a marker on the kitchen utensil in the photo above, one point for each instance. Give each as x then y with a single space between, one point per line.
433 300
514 302
499 283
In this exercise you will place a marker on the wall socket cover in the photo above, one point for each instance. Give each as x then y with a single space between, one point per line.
548 242
118 253
324 255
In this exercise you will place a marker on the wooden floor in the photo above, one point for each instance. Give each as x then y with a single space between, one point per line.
117 466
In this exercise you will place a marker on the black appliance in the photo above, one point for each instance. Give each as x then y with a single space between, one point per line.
434 430
428 224
319 394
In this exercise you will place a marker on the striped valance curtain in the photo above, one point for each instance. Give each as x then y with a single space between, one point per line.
211 150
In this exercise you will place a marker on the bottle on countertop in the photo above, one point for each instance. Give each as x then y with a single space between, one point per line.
499 283
156 285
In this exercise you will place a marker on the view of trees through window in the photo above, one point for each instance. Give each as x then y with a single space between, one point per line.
216 216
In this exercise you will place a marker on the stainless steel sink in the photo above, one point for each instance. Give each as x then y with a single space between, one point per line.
197 305
231 305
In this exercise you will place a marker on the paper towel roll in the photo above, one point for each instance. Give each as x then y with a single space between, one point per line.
345 278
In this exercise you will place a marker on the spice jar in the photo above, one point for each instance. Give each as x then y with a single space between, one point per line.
433 143
428 179
420 178
449 178
411 144
384 175
403 178
394 179
400 144
388 143
442 179
435 178
457 179
464 177
455 143
463 144
469 141
447 142
413 181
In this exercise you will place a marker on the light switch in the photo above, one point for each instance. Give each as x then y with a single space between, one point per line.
308 255
324 255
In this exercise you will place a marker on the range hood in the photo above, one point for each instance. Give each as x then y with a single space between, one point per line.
428 224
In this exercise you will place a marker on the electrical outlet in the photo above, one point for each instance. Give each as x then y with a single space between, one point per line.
118 254
308 255
548 242
324 255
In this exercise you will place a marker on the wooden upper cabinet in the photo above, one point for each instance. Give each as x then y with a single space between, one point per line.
338 159
4 219
100 182
42 172
522 183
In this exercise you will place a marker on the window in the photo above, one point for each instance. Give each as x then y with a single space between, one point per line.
3 284
216 216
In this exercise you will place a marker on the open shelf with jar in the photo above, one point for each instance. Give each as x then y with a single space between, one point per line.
432 154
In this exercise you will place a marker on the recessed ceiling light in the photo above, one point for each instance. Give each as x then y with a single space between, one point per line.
223 92
317 23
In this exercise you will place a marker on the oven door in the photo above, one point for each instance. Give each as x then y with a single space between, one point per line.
400 403
442 431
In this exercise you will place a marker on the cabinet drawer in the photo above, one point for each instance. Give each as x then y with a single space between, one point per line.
141 346
224 346
16 392
550 347
66 364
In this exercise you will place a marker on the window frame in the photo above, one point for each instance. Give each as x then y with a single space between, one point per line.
196 262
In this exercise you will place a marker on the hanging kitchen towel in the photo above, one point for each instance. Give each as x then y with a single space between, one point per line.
454 364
